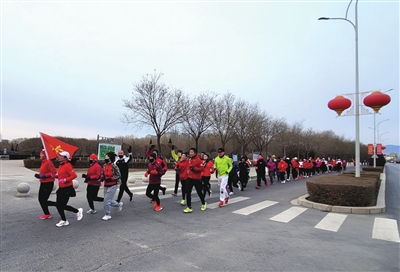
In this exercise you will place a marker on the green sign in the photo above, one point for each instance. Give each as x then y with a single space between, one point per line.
105 148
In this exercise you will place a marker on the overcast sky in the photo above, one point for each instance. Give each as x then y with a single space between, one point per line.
67 65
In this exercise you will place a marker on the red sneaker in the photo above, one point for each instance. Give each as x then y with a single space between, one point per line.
45 216
266 183
155 204
226 200
221 203
158 208
258 187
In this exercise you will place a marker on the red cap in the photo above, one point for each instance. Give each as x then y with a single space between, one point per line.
93 157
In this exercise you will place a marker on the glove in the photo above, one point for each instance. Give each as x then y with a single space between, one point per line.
191 168
130 149
42 176
146 174
37 176
62 180
108 179
84 176
172 147
53 175
152 147
154 172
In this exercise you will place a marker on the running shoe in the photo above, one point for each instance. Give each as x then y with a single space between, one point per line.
174 194
183 202
62 223
258 187
187 210
239 186
226 200
91 211
158 208
120 206
79 214
204 207
106 217
231 193
221 203
45 216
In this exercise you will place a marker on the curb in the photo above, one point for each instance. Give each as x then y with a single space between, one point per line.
379 208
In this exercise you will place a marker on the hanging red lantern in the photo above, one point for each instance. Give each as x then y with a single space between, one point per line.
376 100
339 104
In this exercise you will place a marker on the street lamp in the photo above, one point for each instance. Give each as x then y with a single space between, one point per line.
357 102
377 128
380 136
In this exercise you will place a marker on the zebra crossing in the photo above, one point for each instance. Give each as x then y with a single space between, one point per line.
383 228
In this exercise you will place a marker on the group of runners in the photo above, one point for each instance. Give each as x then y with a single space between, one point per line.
192 170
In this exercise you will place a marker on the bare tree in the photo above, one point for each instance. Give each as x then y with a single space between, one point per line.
269 130
223 117
246 124
155 105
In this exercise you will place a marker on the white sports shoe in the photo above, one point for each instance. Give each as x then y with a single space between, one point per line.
79 214
120 206
231 193
91 211
239 186
106 217
62 223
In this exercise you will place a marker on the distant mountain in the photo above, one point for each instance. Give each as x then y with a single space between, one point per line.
392 149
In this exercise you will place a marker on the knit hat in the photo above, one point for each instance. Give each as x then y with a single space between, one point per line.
221 150
154 156
93 157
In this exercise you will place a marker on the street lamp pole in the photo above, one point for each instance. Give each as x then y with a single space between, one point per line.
357 98
377 129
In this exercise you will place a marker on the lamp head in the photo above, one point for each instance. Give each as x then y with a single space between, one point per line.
323 18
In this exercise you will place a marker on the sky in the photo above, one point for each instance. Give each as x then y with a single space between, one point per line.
66 66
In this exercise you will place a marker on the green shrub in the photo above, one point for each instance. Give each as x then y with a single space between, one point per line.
345 190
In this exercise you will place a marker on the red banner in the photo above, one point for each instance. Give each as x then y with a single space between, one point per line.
53 145
379 149
370 149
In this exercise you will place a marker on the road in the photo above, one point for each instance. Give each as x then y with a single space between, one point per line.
260 230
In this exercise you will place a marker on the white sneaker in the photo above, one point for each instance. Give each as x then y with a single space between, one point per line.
79 214
120 206
62 223
106 217
239 186
283 181
231 193
91 211
210 195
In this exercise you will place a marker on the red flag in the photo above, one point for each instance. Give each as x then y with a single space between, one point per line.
53 145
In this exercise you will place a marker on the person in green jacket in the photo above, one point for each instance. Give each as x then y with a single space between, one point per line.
223 167
177 157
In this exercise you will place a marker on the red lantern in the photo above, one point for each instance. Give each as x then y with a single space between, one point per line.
376 100
339 104
383 147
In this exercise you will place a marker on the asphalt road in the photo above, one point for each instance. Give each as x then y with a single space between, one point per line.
238 237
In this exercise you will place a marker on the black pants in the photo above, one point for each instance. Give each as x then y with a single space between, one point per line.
153 188
177 183
288 172
282 176
244 179
261 176
271 175
197 184
63 195
206 185
123 188
91 195
44 194
294 173
184 185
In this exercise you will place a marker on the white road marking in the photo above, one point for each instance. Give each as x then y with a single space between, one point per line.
231 200
288 215
331 222
386 229
255 208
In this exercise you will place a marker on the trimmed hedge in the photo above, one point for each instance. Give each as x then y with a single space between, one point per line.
32 164
345 189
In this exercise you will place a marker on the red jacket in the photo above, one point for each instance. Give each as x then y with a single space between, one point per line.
163 164
182 167
47 168
197 164
155 178
295 165
108 174
208 169
94 173
66 171
282 165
